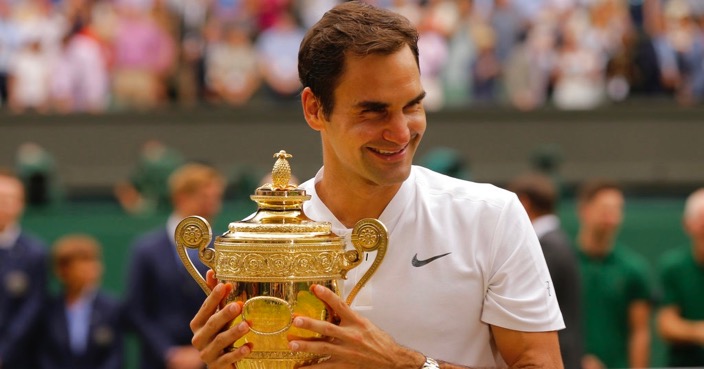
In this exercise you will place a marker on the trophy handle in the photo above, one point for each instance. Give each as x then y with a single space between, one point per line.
194 232
368 234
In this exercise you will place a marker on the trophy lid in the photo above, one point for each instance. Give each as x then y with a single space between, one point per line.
280 210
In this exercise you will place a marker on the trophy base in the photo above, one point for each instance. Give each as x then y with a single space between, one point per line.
278 360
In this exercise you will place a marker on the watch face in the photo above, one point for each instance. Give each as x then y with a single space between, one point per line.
430 363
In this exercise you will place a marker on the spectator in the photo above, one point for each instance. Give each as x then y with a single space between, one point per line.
147 189
143 56
277 49
161 296
29 78
507 26
447 161
579 70
36 168
231 66
616 293
458 78
23 280
80 79
687 40
680 320
82 327
528 69
433 50
9 44
539 197
486 68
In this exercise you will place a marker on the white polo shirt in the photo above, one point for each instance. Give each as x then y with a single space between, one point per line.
488 269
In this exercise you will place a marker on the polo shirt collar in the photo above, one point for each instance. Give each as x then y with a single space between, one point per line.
391 215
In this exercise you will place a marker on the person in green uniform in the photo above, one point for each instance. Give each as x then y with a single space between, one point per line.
680 320
616 291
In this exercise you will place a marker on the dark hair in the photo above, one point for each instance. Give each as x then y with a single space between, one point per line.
591 188
538 189
351 28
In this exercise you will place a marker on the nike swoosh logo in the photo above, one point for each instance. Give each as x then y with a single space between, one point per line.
419 263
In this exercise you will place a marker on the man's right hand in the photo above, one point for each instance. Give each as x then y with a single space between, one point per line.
209 334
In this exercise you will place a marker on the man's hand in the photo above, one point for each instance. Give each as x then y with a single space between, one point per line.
208 326
354 343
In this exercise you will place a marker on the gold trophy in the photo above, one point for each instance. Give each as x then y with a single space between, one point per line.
272 258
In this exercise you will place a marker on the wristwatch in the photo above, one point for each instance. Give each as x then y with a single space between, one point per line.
430 363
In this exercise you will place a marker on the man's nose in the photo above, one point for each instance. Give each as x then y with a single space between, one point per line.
397 129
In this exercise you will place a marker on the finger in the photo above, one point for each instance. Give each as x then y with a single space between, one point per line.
335 302
229 359
314 347
210 306
210 279
224 341
215 324
321 327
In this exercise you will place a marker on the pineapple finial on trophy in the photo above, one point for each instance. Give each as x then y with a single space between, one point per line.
281 174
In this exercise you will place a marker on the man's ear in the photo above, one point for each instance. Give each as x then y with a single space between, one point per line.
312 110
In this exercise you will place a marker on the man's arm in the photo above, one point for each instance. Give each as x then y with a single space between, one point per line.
528 349
639 338
357 343
673 328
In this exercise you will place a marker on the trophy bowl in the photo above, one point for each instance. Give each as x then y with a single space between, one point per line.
272 258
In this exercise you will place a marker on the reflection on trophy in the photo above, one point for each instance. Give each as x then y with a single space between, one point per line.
272 258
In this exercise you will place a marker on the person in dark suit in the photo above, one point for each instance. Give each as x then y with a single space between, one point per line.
162 298
81 327
23 279
538 194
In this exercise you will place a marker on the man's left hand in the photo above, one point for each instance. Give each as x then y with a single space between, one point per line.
354 343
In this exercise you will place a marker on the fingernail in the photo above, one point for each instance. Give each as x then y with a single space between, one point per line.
218 288
293 346
298 322
319 289
234 308
242 327
244 350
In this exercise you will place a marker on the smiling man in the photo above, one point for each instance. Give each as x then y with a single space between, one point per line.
463 282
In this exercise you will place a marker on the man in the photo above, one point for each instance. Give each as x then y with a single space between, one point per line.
82 328
161 296
538 195
616 293
23 279
463 280
680 320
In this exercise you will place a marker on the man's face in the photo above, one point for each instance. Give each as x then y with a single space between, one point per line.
81 272
11 201
205 202
377 121
604 212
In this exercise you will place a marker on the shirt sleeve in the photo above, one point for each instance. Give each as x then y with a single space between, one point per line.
519 294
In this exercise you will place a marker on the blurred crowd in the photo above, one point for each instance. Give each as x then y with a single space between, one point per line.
63 56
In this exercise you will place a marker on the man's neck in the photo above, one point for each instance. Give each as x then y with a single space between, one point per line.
595 243
349 203
73 295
